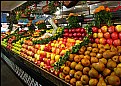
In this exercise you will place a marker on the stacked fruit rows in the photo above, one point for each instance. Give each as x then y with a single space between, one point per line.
108 35
95 64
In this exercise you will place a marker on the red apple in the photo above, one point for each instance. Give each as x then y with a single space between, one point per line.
80 38
65 30
79 34
94 29
69 31
78 30
48 62
73 30
76 38
100 35
82 30
38 62
99 31
109 41
102 41
41 58
66 34
70 34
111 29
104 29
107 35
117 42
75 34
52 62
97 40
114 35
92 40
119 35
83 34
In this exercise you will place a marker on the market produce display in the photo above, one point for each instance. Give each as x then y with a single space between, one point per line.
93 65
80 56
107 35
76 33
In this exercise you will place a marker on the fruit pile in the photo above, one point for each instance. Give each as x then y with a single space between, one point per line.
17 46
76 33
9 42
4 43
94 65
107 35
51 51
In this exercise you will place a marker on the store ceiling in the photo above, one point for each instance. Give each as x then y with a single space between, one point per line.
10 5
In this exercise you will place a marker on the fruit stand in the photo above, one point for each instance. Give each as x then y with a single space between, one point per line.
72 56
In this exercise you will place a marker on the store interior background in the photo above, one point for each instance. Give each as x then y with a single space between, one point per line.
85 9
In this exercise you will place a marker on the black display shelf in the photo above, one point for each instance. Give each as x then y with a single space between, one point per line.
39 75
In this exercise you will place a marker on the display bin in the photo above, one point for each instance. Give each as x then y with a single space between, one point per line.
39 75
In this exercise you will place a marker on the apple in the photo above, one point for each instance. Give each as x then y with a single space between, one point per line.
94 29
102 41
100 35
41 58
111 29
95 35
48 62
97 40
70 34
73 30
66 34
48 55
99 31
52 62
79 34
104 29
117 42
119 35
75 34
114 35
78 30
118 28
109 41
82 30
83 34
45 60
65 30
69 31
38 62
107 35
92 40
80 38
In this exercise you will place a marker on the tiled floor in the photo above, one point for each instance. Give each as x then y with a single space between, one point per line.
7 77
